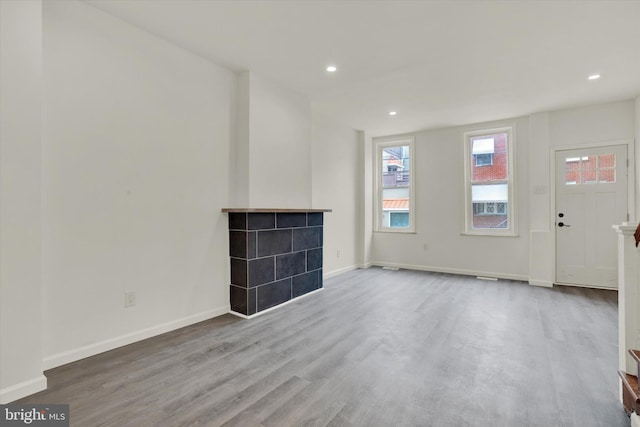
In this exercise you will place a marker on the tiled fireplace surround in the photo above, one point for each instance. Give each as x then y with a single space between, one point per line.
276 256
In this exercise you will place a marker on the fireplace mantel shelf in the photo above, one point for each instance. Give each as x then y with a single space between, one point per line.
267 210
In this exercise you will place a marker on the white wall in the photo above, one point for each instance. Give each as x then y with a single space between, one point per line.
138 158
276 154
541 244
592 124
539 172
637 143
569 128
136 168
367 200
20 200
124 192
531 255
439 212
336 177
239 183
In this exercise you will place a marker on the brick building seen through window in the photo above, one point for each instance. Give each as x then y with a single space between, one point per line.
489 173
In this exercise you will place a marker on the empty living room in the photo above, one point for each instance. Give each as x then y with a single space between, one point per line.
328 213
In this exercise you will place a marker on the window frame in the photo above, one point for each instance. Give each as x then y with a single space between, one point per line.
467 222
485 205
379 145
490 163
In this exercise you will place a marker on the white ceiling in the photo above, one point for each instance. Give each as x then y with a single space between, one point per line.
437 63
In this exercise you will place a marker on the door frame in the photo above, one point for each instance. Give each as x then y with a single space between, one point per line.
631 189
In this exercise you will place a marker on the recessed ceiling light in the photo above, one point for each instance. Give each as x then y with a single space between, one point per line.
332 68
393 113
594 77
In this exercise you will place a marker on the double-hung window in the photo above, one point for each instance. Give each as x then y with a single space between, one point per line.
394 184
489 187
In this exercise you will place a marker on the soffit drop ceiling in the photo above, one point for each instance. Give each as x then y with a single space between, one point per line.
438 63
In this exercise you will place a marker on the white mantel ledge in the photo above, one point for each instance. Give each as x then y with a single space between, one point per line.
626 228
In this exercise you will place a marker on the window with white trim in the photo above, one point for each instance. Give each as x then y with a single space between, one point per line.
489 189
485 159
394 185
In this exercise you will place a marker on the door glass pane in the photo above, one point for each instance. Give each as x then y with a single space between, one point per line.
607 176
572 171
607 160
607 165
589 169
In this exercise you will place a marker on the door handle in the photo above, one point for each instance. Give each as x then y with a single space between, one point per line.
562 224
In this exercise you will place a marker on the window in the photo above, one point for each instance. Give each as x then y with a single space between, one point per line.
484 159
399 219
489 208
394 184
489 182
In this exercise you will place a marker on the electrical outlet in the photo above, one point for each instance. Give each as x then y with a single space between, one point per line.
338 253
129 299
425 247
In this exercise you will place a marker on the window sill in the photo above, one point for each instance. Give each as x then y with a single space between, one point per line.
395 231
489 234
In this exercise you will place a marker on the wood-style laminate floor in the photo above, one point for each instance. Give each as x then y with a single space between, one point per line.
374 348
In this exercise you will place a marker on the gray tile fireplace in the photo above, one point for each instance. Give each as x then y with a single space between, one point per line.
276 256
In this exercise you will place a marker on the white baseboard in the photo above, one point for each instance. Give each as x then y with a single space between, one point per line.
635 420
339 271
23 389
243 316
461 271
112 343
541 283
576 285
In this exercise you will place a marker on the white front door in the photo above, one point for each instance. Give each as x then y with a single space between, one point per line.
591 196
